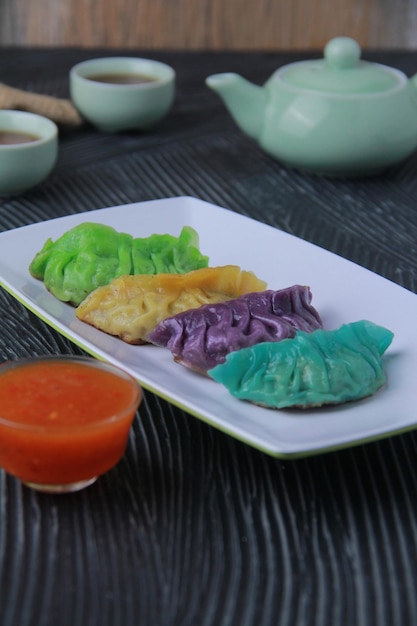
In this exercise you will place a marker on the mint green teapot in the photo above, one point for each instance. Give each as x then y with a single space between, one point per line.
336 116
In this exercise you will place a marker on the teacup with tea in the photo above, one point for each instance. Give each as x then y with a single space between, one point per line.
28 150
122 93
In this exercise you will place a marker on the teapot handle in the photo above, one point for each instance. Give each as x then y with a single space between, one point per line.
413 80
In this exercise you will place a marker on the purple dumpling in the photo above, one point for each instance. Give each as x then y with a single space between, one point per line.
201 338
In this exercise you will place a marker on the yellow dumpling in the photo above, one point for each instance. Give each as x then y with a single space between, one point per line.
129 307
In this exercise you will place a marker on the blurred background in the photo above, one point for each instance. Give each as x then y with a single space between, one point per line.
268 25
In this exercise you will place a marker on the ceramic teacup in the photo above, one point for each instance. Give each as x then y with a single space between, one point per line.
122 93
28 150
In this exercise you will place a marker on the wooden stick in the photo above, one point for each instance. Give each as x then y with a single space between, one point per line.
58 110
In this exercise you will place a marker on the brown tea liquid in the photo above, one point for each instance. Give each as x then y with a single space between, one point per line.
10 137
122 79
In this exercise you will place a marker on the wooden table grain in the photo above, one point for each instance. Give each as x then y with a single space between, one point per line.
194 528
207 24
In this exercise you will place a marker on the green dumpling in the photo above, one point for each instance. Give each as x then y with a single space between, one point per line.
90 255
322 367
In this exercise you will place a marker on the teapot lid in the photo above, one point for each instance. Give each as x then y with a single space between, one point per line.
341 71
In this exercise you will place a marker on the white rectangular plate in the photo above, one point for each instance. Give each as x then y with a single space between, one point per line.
342 292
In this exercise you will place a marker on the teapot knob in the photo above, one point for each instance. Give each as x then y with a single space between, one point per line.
342 53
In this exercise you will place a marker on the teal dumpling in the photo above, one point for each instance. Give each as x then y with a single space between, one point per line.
312 369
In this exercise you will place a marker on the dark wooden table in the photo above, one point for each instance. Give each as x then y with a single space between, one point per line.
194 528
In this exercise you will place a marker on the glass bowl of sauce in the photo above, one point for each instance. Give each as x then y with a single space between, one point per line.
64 420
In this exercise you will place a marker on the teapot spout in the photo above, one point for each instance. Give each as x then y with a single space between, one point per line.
245 101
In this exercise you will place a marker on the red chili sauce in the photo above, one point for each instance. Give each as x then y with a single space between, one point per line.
62 422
